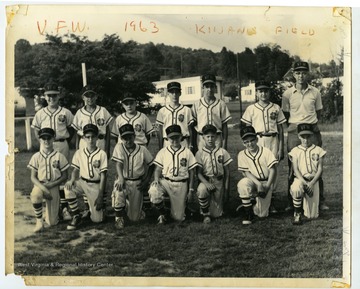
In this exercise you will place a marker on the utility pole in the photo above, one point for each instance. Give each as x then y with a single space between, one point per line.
239 83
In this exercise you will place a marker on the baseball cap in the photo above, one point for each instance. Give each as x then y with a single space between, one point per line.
209 128
173 85
90 128
304 128
46 131
87 91
208 78
247 131
173 130
262 84
51 88
126 129
128 97
301 66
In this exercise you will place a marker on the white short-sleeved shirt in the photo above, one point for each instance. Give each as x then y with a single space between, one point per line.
141 123
134 162
50 166
307 159
216 113
181 116
264 119
100 117
59 120
90 165
213 161
302 107
175 164
259 164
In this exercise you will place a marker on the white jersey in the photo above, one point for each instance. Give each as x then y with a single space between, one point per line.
213 161
59 120
264 119
175 164
259 164
307 159
216 113
90 165
181 116
141 123
134 162
50 166
100 117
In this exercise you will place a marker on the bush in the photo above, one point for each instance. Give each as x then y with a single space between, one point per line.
333 101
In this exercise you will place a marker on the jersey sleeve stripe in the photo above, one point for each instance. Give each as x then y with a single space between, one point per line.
32 167
243 169
228 162
117 159
158 164
245 120
109 120
226 119
193 166
65 167
272 163
75 166
103 170
159 122
75 126
282 121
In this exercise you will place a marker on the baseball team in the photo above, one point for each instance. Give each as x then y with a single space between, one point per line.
192 159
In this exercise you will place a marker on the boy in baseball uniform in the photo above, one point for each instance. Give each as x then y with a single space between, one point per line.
176 165
48 171
210 110
175 113
213 174
258 164
134 166
87 178
59 119
268 119
307 162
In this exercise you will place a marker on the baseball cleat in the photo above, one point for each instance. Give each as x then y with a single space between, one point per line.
39 226
297 219
76 220
207 220
85 214
119 223
161 220
323 207
66 215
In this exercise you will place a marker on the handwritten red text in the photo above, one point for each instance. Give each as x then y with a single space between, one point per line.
61 26
294 30
149 27
230 30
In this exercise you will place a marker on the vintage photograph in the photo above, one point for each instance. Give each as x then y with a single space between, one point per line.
178 145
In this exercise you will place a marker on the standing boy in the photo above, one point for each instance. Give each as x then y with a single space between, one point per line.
87 178
59 119
267 118
48 171
134 166
307 161
213 173
176 164
175 113
258 164
210 110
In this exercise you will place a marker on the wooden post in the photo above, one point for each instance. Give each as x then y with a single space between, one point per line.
83 69
28 133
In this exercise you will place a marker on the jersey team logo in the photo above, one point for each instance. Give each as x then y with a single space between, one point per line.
137 127
96 164
274 115
100 121
56 164
181 117
315 157
220 159
62 118
183 162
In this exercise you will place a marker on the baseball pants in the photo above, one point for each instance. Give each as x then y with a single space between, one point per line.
310 204
211 200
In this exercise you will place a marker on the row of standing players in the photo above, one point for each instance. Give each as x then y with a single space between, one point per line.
174 166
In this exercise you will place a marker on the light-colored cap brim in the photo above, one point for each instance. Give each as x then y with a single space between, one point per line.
52 92
306 132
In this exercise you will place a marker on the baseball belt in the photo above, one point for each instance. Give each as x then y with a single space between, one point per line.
219 178
263 180
60 140
133 180
176 181
90 181
267 134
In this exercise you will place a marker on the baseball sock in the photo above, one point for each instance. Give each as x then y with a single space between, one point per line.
204 205
119 211
104 200
297 204
246 202
73 204
38 209
63 203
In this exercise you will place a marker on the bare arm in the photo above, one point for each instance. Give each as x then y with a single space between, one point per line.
160 136
225 135
120 181
226 183
280 154
99 200
157 174
74 176
318 174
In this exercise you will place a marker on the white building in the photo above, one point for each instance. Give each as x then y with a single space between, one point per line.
248 93
191 90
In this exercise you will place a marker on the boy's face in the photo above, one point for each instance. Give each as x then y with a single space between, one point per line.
128 140
129 106
209 139
306 140
250 143
263 94
175 140
174 95
209 89
300 76
90 139
90 99
52 99
46 141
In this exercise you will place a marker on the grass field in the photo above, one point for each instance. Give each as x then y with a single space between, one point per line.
271 247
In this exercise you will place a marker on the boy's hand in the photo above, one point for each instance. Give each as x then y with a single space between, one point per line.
210 187
68 185
119 185
280 155
308 190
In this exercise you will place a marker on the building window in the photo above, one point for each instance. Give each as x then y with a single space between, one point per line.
248 92
190 90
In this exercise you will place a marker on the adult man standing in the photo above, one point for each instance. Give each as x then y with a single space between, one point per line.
302 104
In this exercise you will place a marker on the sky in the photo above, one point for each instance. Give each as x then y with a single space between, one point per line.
316 34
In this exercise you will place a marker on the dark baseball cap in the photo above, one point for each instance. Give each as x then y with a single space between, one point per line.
262 84
126 129
301 66
208 78
87 91
208 128
46 131
90 128
173 85
247 131
173 130
304 128
51 88
128 97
